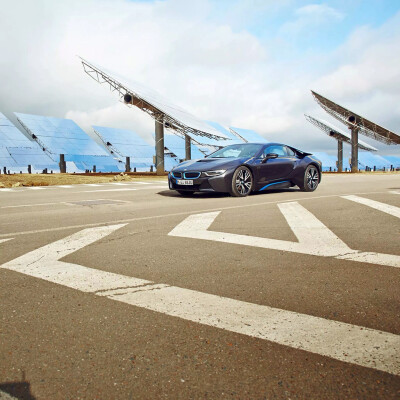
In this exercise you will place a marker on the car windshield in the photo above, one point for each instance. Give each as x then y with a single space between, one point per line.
237 151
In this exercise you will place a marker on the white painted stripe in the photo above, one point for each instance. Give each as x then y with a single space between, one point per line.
314 237
63 186
386 208
338 340
390 260
108 190
394 192
36 187
5 240
91 184
34 205
5 190
342 341
6 396
119 183
142 183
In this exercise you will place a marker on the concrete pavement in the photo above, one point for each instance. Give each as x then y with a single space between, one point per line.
167 323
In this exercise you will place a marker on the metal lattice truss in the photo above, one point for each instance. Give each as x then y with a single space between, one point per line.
336 133
353 120
157 113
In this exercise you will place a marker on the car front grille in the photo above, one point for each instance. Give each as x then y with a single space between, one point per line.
177 175
191 175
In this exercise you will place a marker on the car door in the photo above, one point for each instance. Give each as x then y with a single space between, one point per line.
275 169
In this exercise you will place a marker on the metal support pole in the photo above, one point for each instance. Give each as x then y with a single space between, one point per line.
94 168
62 164
160 148
29 169
128 164
188 148
354 149
340 156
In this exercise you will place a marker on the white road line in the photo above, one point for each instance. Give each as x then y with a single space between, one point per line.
6 190
90 184
6 396
5 240
394 192
36 187
34 205
63 186
314 238
119 183
127 220
386 208
108 190
142 183
341 341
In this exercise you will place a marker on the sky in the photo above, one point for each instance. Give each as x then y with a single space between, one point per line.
244 63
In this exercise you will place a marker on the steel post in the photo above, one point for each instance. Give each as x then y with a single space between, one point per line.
340 156
188 148
160 148
354 149
62 164
128 164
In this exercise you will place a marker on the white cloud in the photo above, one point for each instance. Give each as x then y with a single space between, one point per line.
204 65
310 17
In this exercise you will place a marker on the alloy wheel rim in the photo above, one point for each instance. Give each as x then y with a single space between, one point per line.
312 178
243 181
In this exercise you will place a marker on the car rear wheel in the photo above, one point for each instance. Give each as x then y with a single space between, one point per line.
311 179
242 182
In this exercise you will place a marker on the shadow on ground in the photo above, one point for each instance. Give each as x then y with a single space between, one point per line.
19 390
211 195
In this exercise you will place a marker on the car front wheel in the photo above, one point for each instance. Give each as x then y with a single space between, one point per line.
311 179
242 182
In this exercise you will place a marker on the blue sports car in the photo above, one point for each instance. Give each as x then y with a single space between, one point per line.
240 169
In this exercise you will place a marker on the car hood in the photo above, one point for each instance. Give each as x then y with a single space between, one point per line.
207 164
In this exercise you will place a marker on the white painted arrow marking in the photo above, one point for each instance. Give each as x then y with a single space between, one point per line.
313 236
44 263
386 208
345 342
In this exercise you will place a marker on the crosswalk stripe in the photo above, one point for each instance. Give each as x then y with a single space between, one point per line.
338 340
109 190
386 208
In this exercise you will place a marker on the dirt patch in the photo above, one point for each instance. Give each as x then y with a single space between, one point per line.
16 180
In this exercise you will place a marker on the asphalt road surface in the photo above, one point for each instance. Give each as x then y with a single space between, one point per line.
130 291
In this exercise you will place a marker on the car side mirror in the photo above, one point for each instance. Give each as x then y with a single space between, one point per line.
269 156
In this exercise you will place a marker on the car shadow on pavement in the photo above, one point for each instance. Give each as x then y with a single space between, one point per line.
212 195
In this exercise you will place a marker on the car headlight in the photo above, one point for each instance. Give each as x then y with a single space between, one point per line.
214 173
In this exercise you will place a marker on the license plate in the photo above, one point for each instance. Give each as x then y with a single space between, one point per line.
184 182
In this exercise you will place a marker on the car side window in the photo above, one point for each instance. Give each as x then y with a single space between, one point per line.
290 152
274 149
